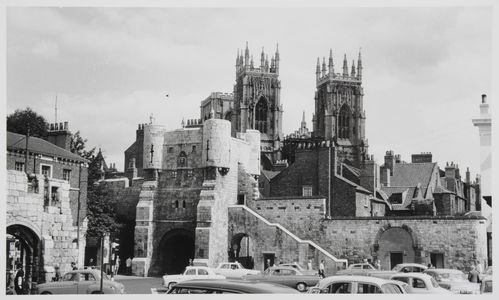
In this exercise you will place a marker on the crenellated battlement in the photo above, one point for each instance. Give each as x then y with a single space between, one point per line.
314 144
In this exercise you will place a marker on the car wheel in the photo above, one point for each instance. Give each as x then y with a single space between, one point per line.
46 293
171 284
301 287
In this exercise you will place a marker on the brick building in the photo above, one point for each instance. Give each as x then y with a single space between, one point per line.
46 203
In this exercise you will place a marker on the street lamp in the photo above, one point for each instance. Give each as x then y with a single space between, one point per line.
104 237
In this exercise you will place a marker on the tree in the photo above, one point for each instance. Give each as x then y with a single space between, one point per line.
101 214
20 120
77 145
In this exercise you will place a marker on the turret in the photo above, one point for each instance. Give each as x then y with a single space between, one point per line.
277 59
345 66
246 55
359 67
331 64
324 66
262 60
318 69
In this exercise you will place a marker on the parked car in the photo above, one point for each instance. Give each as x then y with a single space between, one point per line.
286 276
486 285
353 284
300 268
191 272
365 269
404 287
233 270
454 280
409 268
420 283
226 286
85 281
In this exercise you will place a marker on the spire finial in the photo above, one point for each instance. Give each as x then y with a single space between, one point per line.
251 63
331 64
318 68
359 64
353 68
345 66
246 55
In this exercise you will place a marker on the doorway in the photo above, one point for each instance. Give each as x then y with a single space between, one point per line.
268 260
396 258
437 260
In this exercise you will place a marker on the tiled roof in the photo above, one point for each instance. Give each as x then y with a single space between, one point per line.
409 175
17 141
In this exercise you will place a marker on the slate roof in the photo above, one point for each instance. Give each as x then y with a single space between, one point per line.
17 141
270 174
353 170
409 175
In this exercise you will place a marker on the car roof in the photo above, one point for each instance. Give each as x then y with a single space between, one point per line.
355 278
444 271
412 265
414 274
237 285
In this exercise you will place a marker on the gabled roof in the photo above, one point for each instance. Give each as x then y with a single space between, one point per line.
17 142
410 174
355 171
270 174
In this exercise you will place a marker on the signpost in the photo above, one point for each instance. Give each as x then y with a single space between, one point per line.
106 235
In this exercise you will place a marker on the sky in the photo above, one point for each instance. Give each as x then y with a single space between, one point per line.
424 68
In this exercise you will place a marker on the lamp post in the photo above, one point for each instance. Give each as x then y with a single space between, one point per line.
102 260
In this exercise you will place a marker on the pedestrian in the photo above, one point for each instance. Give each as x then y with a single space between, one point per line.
10 282
321 269
73 266
57 273
377 264
19 281
129 266
309 265
191 262
473 275
91 263
117 265
479 267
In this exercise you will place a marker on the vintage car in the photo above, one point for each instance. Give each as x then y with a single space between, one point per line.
85 281
190 272
409 268
454 280
300 268
221 286
353 284
233 270
420 283
486 285
286 276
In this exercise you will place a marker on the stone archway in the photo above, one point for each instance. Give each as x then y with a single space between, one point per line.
395 245
24 247
241 250
175 250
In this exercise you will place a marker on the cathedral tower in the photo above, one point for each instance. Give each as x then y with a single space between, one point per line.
339 113
257 104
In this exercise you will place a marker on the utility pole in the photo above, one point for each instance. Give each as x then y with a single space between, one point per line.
26 152
78 215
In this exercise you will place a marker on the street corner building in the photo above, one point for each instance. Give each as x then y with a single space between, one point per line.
46 203
231 186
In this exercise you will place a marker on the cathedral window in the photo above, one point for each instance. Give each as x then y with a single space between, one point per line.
176 203
344 123
261 116
182 160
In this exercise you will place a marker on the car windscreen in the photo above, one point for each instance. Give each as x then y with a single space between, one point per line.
434 282
389 288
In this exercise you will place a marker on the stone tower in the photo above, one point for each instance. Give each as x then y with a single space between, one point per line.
339 113
257 102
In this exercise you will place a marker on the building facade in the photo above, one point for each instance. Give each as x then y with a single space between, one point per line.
46 204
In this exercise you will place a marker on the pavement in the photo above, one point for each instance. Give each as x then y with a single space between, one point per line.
139 285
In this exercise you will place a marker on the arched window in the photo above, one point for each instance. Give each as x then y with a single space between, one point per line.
261 116
344 122
182 160
183 204
176 203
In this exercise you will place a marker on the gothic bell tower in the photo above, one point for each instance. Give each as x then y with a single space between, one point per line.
257 94
339 113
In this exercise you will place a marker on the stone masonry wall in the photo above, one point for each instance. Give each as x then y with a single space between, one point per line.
51 224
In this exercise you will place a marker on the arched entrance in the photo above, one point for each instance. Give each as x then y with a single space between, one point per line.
175 250
396 246
24 247
240 250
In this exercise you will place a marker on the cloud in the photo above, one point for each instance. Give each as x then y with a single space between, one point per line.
46 49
